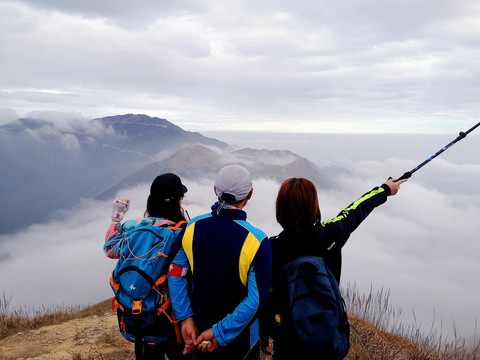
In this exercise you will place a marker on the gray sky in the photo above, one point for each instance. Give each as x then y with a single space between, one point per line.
326 66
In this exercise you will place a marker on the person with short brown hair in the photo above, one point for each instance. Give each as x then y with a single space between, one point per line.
297 204
304 234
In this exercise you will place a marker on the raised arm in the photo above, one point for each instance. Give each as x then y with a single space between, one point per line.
115 231
351 217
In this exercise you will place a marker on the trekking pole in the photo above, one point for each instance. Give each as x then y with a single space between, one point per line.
460 136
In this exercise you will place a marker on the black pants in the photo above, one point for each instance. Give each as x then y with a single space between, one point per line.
174 351
229 353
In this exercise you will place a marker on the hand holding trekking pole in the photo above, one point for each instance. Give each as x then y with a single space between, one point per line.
394 185
460 136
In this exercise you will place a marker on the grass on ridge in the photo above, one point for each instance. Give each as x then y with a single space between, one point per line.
21 319
378 335
374 309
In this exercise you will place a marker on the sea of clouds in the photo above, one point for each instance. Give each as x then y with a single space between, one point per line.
422 245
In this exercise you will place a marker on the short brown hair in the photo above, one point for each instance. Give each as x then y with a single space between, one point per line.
297 204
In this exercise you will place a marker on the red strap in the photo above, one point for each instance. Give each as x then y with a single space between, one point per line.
112 283
177 271
160 281
164 307
177 328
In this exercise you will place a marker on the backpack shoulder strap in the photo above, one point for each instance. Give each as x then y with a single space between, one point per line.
178 226
317 260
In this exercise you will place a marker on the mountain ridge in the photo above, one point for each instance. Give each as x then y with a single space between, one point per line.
195 161
52 165
93 333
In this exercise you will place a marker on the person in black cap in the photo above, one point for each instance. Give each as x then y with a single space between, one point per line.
164 208
165 199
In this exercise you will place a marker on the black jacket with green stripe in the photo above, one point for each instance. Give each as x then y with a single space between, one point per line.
326 239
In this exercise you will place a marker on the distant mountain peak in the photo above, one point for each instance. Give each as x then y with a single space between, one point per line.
146 131
137 119
199 161
133 124
60 161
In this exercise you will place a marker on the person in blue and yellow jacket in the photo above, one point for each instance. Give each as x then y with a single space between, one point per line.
230 261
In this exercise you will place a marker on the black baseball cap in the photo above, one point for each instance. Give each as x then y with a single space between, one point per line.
167 186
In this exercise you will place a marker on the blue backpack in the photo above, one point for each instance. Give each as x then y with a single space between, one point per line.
139 282
314 308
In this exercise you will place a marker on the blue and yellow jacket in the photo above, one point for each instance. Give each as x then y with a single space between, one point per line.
230 262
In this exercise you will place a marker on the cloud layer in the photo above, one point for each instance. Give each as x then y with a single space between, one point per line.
422 244
370 66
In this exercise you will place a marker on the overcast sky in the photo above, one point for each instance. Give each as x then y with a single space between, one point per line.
326 66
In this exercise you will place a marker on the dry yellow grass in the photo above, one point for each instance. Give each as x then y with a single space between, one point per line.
92 333
381 334
20 320
87 334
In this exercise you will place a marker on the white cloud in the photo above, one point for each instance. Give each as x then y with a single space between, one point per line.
7 115
421 245
61 262
64 121
66 257
122 13
65 127
336 67
70 142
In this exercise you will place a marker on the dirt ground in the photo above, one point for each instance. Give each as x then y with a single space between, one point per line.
95 337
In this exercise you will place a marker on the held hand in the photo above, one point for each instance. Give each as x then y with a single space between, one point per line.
394 185
119 208
189 334
264 343
206 342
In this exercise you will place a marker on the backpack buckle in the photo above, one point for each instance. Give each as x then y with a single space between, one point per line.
137 307
278 319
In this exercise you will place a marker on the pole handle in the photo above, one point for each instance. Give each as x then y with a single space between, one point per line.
407 175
